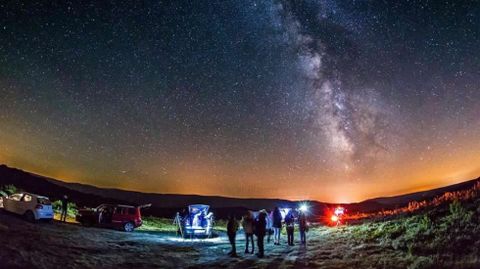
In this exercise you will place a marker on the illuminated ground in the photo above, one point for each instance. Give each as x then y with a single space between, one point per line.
50 245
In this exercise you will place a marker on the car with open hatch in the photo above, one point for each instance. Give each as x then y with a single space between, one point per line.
115 216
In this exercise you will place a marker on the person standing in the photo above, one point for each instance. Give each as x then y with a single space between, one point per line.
269 226
232 227
63 216
290 224
277 225
303 227
247 224
260 229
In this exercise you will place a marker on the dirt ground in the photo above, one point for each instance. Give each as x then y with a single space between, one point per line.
58 245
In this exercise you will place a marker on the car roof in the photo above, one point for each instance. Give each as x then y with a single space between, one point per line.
199 206
33 194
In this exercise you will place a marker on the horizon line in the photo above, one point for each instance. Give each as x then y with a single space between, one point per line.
240 198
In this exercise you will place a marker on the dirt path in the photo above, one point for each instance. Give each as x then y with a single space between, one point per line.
57 245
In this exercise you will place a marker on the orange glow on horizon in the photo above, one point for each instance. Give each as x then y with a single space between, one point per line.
262 179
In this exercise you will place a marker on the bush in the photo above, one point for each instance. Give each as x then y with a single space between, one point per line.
459 217
10 189
72 210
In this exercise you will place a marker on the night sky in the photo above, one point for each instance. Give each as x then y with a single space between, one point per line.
331 100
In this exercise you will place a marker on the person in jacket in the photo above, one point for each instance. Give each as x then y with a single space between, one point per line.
232 227
63 216
277 225
247 224
303 227
260 229
290 224
269 226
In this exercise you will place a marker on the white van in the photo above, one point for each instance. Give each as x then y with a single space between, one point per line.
33 207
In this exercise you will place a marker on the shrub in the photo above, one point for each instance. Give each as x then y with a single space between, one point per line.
458 215
71 208
10 189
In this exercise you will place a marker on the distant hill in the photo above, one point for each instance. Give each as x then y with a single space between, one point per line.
163 205
166 205
173 200
40 185
401 200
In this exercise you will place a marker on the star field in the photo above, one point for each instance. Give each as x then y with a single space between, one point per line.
330 100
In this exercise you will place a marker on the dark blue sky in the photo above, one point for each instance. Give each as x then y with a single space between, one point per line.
297 99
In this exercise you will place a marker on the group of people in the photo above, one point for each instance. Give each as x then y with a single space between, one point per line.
290 226
263 224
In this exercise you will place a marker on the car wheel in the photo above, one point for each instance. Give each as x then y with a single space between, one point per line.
29 216
128 227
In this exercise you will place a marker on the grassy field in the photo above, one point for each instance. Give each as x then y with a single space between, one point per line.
153 224
445 235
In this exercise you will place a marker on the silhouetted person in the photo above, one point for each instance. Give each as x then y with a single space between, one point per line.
277 225
290 224
260 229
101 215
105 215
269 226
188 217
232 227
247 224
63 216
303 227
178 222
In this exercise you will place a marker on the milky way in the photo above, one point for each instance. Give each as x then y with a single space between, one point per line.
350 121
328 100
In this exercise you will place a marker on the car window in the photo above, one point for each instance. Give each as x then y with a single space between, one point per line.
43 201
27 198
15 197
121 210
131 211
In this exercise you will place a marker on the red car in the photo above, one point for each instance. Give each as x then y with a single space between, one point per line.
122 217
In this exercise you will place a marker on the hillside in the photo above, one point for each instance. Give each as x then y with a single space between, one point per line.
39 185
174 200
401 200
163 205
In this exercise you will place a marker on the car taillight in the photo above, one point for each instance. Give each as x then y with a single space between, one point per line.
39 207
